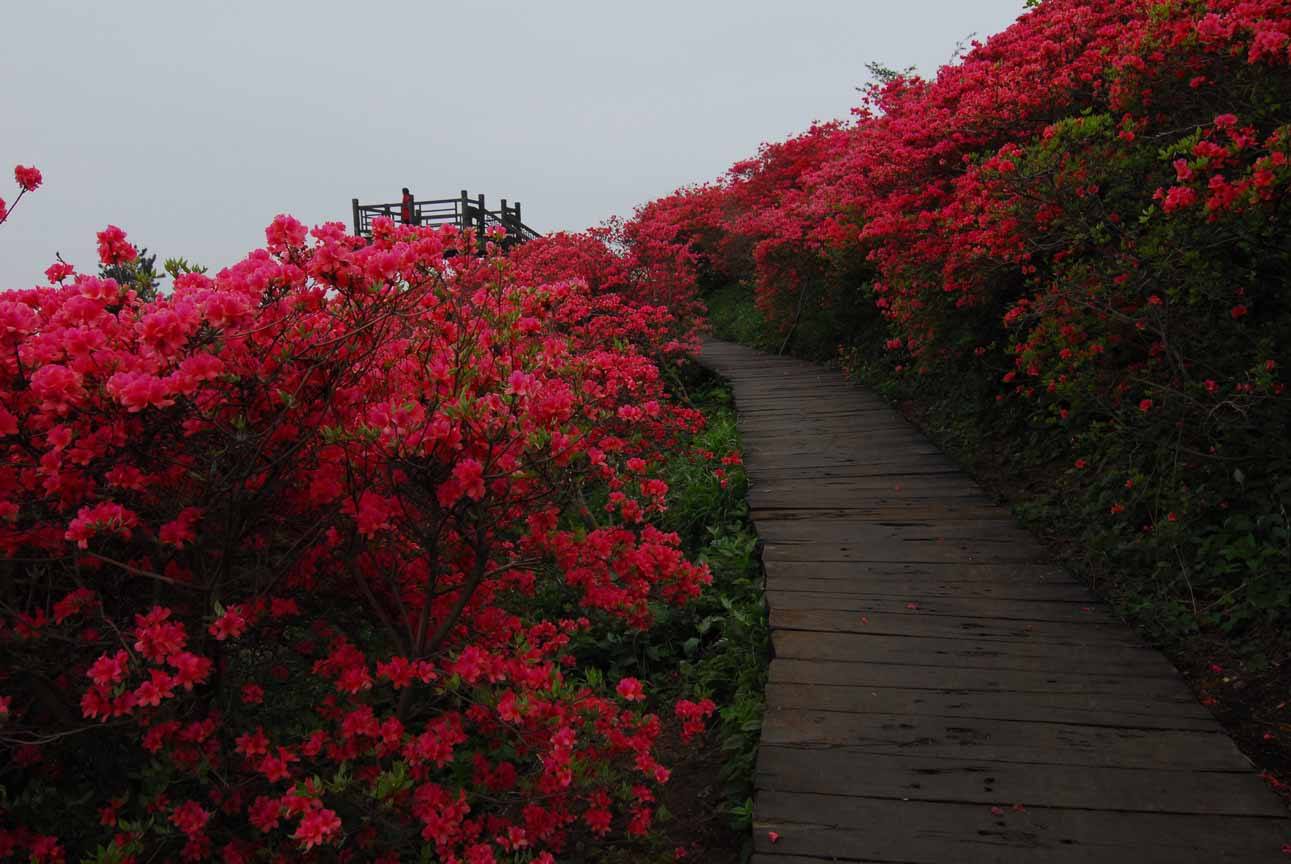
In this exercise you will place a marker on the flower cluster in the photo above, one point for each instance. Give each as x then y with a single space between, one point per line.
299 552
28 179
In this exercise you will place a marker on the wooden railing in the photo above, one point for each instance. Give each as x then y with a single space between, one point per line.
463 211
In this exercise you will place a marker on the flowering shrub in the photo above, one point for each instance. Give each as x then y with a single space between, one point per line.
282 547
628 260
28 180
1088 214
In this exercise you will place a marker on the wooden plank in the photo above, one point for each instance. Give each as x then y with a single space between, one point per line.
988 520
968 653
792 452
916 580
841 432
1080 708
830 621
908 509
863 549
846 442
839 436
880 487
900 777
1168 690
962 533
886 447
928 588
835 497
839 828
821 401
956 605
997 572
909 468
1005 741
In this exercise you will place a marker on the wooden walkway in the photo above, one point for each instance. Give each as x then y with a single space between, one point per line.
940 692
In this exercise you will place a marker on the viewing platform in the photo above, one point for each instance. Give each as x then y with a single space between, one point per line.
464 211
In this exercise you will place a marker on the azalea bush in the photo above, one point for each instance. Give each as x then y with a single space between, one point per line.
295 554
713 652
632 260
1085 221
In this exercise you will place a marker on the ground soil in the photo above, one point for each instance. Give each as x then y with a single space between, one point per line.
697 828
700 825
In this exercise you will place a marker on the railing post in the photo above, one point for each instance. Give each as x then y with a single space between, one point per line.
356 217
506 216
519 221
482 216
464 218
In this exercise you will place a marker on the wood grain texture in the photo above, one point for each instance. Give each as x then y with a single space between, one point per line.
940 690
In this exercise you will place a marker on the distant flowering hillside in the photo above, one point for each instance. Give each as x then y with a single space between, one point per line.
1087 217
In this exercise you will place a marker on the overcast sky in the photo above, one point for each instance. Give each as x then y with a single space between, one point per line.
190 124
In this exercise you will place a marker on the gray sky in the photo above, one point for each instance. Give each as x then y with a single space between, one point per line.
190 124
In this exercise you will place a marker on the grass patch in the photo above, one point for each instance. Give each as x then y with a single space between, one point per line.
734 317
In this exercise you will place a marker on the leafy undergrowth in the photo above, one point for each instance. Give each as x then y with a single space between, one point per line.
1237 662
715 648
733 317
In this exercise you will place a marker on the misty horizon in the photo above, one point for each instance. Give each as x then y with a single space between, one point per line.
191 127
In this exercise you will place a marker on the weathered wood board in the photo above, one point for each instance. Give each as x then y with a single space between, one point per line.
941 692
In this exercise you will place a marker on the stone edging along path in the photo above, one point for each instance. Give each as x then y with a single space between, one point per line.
939 690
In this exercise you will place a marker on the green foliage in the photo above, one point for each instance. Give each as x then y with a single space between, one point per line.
178 266
725 656
140 275
733 316
719 646
884 74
